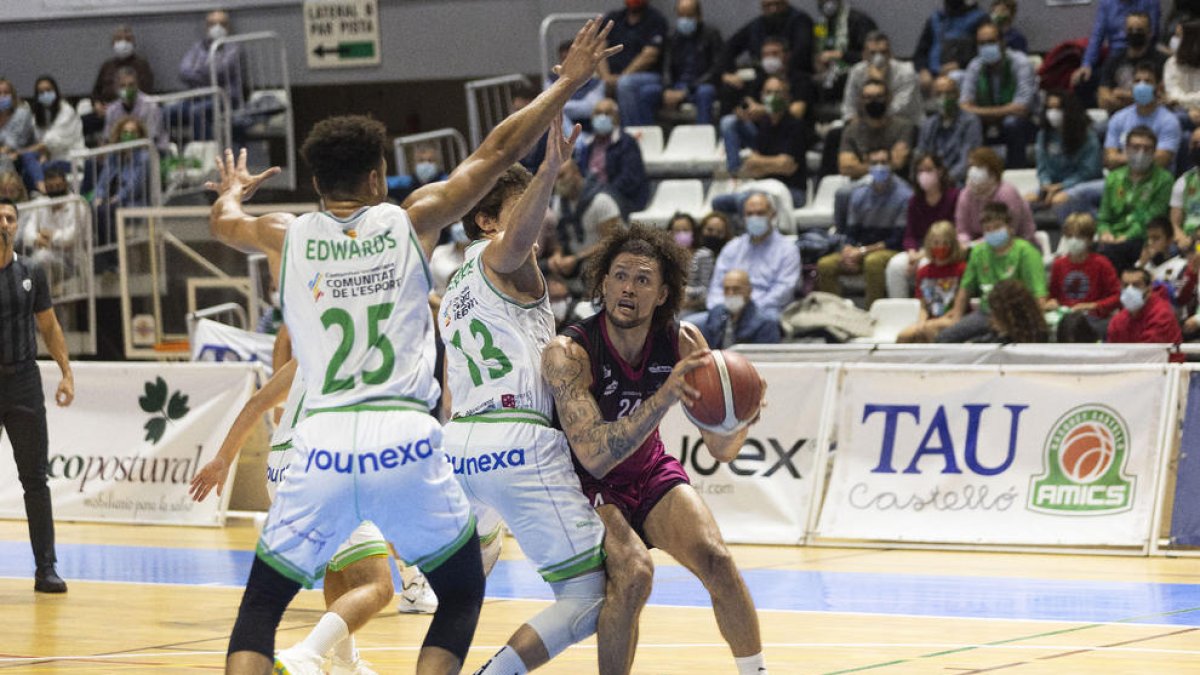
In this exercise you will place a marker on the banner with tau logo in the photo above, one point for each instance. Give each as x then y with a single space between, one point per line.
129 445
764 496
980 455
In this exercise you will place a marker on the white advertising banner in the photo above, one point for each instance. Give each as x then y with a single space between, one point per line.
215 341
980 455
763 496
127 448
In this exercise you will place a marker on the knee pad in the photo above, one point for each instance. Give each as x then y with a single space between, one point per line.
267 594
572 617
458 583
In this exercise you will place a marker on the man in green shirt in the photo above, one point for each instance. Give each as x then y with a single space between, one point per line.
1185 197
1000 255
1133 194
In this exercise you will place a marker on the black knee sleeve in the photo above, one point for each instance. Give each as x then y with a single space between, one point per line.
458 583
267 594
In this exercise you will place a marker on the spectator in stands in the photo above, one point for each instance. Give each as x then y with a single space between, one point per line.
776 141
1001 87
586 214
902 82
1004 15
1147 110
984 186
772 261
194 71
124 46
874 230
778 19
842 33
1002 255
12 187
1185 197
1133 194
1068 153
934 199
445 261
715 232
947 41
133 102
737 320
691 62
17 133
1117 75
1075 328
56 125
52 233
950 132
427 168
123 180
642 30
1016 315
578 109
1109 30
773 63
874 127
566 306
1181 77
685 231
1146 315
612 160
1081 280
1181 12
937 283
1161 257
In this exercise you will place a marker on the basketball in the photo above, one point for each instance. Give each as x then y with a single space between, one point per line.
730 392
1087 452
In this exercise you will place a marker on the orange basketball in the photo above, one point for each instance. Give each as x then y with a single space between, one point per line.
730 392
1087 453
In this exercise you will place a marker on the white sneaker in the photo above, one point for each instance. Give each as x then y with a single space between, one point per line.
417 598
297 661
358 666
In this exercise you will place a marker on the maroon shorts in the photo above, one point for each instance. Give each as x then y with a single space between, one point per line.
635 498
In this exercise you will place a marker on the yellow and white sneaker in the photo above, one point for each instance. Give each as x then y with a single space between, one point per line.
297 661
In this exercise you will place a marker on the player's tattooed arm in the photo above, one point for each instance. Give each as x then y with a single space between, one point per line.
600 445
723 447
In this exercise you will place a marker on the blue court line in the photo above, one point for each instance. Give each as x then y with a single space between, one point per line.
773 589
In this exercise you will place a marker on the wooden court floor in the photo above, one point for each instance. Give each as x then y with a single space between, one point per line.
860 611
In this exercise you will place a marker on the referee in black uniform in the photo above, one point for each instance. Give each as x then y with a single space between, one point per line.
25 301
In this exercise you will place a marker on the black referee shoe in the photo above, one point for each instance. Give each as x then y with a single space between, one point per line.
46 580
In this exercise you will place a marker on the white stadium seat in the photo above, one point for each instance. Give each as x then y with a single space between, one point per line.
1025 180
691 151
890 316
650 141
819 212
685 195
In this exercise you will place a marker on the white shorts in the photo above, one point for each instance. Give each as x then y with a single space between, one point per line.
385 466
523 472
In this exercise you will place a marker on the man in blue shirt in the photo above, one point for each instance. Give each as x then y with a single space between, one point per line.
642 30
1109 28
1001 88
947 42
690 66
738 320
772 261
874 230
612 161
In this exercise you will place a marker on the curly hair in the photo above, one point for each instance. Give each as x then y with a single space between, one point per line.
652 242
342 150
512 182
1016 313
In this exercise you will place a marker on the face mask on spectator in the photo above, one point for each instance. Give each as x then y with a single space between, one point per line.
1137 38
55 189
928 180
6 102
1132 298
602 124
950 106
880 174
1143 93
47 98
879 60
978 178
735 303
714 244
129 94
1173 43
875 109
458 233
1001 20
939 252
683 238
997 238
426 171
635 5
128 136
1140 161
560 307
685 25
771 65
1074 246
1054 117
217 31
123 48
757 226
990 53
774 103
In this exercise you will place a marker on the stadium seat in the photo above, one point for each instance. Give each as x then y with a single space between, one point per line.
205 153
1042 239
685 195
650 141
691 151
890 316
1025 180
1099 117
719 186
819 211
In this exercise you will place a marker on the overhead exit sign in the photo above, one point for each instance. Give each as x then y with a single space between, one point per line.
341 33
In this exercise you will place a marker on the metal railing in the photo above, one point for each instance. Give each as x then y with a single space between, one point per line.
259 91
56 233
195 121
113 177
449 143
489 101
554 29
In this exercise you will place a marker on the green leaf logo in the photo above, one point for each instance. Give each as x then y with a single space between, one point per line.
155 402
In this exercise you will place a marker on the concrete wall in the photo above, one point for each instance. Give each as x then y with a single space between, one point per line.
422 39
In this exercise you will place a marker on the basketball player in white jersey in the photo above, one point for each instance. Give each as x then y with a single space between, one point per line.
495 318
354 284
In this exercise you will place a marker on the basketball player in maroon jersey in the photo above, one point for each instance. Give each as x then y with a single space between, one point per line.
614 376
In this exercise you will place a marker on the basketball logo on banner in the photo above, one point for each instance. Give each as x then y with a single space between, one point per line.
1084 465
